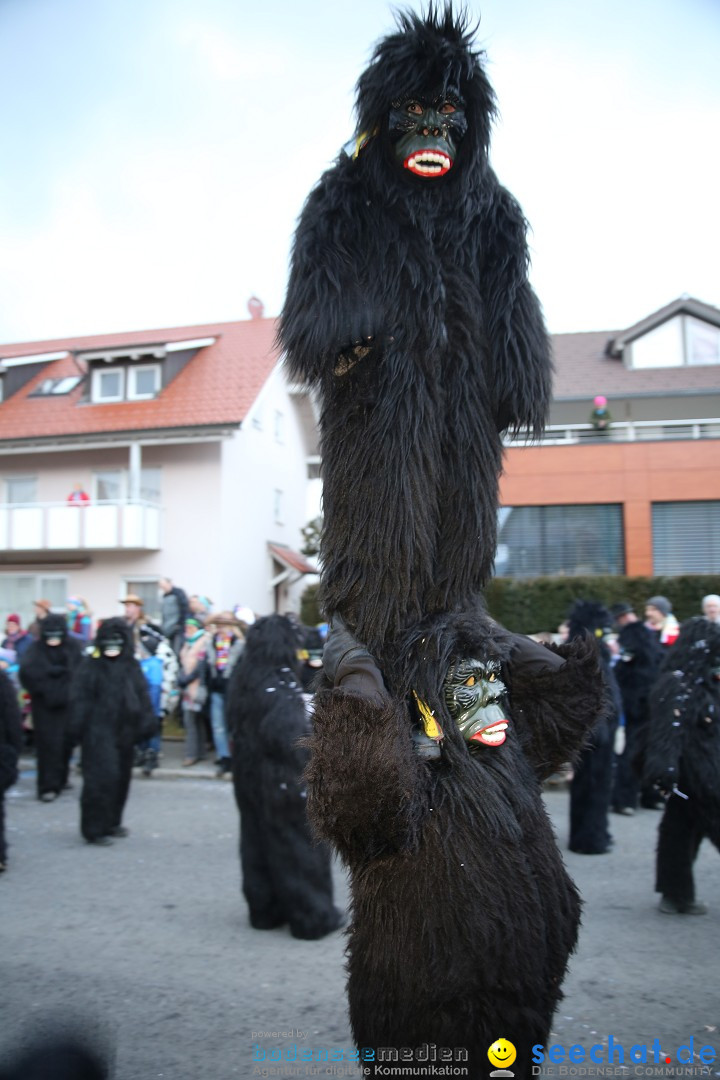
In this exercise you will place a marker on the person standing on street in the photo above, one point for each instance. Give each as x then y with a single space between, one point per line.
175 610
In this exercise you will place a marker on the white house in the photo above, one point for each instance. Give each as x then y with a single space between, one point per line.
198 458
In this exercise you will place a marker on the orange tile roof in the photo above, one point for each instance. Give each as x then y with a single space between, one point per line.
217 387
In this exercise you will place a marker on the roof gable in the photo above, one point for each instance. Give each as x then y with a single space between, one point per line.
217 386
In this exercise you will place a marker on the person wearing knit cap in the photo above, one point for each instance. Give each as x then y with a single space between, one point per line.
15 637
660 619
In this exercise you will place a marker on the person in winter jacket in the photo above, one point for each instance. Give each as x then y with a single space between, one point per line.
46 672
111 711
224 648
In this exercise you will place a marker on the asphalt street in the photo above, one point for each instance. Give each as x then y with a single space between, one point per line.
145 945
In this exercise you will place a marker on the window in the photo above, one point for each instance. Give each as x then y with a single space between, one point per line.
143 382
279 427
109 485
108 385
54 387
150 485
20 490
278 507
681 341
18 591
539 541
686 538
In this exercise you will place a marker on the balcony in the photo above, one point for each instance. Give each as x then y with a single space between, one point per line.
621 432
102 526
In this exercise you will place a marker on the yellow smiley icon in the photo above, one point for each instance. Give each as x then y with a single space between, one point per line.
502 1053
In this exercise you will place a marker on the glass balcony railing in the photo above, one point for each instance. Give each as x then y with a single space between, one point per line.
99 526
621 431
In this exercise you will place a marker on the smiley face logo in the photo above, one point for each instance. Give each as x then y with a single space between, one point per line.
502 1053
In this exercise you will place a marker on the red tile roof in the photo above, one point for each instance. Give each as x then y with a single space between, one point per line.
293 560
217 387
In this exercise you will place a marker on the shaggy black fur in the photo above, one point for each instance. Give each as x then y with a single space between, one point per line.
435 273
684 752
111 712
463 914
591 785
635 676
10 746
46 672
286 876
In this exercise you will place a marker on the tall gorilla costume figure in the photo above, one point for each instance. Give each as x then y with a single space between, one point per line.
683 757
410 311
111 712
286 877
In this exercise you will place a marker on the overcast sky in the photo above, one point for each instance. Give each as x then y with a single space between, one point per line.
155 154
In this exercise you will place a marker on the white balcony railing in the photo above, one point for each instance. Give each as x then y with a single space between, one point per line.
621 431
101 526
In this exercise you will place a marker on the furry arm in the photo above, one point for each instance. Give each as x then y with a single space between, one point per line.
365 784
521 368
554 707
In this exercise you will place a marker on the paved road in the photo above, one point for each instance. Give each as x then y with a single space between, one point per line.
147 942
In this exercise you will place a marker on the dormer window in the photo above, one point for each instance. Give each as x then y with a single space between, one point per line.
108 385
143 382
679 342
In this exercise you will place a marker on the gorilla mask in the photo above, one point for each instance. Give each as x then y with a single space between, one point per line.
426 130
473 692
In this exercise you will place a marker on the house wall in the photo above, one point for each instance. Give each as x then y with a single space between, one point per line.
270 455
650 407
633 474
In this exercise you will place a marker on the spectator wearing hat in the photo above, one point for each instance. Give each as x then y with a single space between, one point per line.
660 619
192 680
200 607
711 607
42 610
15 637
225 646
11 740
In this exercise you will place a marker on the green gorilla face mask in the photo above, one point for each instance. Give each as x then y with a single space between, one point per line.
473 695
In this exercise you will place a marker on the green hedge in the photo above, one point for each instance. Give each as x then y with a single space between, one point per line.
528 605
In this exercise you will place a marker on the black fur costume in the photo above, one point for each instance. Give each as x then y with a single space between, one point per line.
11 739
409 310
111 712
683 753
286 875
640 657
435 272
46 672
591 785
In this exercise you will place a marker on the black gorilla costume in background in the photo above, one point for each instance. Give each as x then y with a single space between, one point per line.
286 876
111 712
409 310
683 753
46 672
11 739
640 657
591 785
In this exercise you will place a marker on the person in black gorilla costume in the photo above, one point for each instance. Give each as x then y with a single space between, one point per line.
46 671
409 310
11 740
591 784
635 672
683 758
286 876
111 712
408 307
